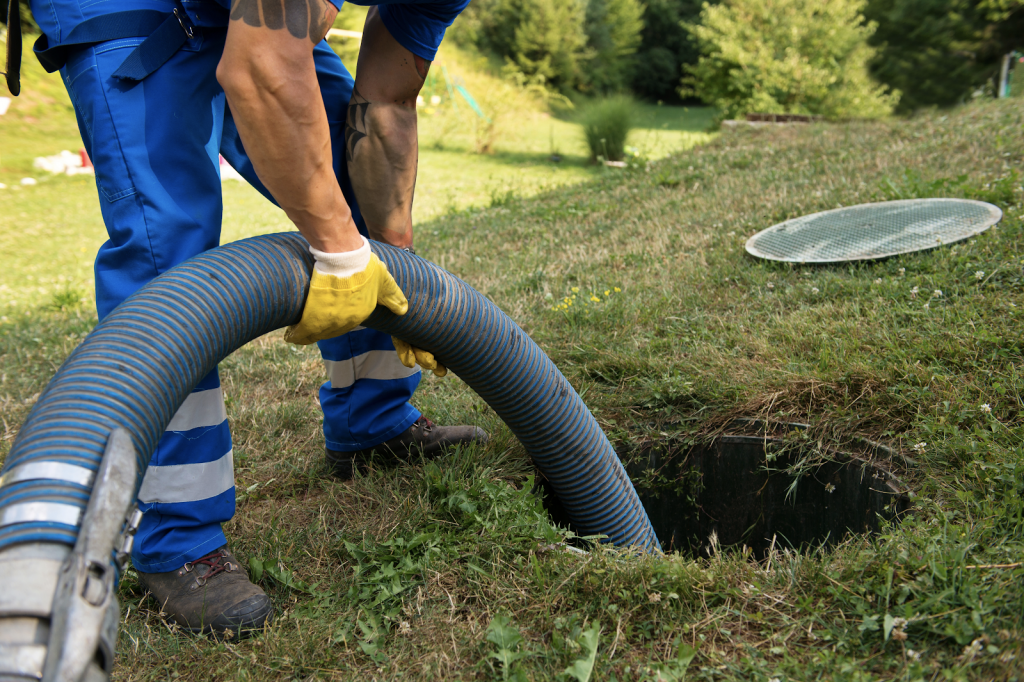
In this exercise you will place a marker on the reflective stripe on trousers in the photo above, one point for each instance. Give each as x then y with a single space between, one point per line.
155 146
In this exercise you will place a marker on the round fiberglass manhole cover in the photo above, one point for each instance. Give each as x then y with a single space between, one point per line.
870 231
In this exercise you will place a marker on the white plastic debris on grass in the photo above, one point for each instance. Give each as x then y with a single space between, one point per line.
64 163
227 172
68 163
28 181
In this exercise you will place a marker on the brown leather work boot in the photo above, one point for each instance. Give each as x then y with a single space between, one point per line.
211 594
423 437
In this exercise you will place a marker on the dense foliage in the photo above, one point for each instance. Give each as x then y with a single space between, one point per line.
787 56
581 45
613 35
776 56
664 48
939 52
543 38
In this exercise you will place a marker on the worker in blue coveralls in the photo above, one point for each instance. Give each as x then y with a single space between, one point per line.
160 88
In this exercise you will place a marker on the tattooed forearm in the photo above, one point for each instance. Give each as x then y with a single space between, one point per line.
303 18
381 147
321 16
355 124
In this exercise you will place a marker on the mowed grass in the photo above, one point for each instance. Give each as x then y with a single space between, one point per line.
447 570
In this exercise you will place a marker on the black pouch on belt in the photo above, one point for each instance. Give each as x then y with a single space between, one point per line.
164 35
13 67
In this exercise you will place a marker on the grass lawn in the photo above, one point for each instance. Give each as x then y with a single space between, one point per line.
452 176
445 570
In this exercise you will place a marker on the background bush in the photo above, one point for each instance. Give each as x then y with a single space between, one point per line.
613 30
665 46
606 125
938 52
583 45
541 38
787 56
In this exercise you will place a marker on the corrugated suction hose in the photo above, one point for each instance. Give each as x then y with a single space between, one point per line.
138 366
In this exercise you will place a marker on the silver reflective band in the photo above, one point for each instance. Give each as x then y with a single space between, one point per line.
200 409
51 512
176 483
382 365
58 471
24 660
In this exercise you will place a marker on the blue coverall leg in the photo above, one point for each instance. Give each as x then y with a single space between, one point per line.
155 147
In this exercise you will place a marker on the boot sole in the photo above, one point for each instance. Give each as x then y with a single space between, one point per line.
238 630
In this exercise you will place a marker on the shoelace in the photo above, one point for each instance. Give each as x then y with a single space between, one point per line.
215 561
424 423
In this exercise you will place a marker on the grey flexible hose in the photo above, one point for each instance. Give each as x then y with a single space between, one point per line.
138 366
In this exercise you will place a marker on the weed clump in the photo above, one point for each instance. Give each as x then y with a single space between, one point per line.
606 125
67 298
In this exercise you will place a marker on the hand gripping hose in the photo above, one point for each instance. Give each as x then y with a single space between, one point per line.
138 366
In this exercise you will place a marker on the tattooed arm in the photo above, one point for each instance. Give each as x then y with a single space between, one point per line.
380 133
270 79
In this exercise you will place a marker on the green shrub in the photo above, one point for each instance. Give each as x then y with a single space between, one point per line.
938 52
665 47
606 125
585 45
503 103
787 56
613 30
540 38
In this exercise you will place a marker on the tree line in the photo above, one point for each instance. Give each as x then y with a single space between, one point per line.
833 58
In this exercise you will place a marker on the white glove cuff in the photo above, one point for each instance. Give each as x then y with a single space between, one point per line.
343 264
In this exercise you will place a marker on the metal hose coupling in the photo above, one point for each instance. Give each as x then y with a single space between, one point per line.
59 610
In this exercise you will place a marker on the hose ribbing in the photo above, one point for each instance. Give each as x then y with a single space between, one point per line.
141 362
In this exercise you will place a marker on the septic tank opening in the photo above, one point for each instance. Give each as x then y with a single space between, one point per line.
737 489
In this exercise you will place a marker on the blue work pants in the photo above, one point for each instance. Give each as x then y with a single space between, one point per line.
155 145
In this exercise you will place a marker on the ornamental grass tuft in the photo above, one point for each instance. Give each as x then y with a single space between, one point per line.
606 125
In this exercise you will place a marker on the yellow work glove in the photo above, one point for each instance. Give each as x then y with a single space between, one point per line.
344 290
412 356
